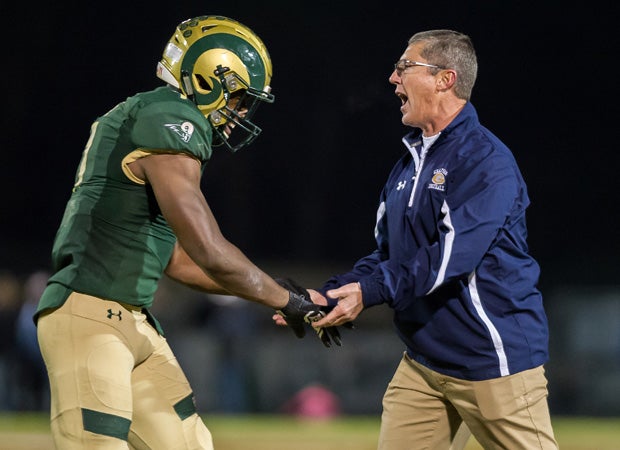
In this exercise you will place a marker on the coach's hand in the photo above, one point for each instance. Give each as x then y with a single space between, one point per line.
299 310
349 306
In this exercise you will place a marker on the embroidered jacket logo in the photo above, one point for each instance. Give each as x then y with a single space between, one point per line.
184 130
438 180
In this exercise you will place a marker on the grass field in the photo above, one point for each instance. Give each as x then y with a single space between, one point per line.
31 432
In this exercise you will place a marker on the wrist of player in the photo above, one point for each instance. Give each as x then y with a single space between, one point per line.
298 307
283 300
298 311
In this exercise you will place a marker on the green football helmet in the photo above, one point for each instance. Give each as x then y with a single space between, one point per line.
225 69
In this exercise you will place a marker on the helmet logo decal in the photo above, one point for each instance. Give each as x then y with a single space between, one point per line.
184 130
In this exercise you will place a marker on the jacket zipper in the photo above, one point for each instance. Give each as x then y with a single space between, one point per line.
415 176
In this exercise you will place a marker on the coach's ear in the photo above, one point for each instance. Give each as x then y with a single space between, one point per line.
445 79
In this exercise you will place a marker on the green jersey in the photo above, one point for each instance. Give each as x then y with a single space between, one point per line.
113 241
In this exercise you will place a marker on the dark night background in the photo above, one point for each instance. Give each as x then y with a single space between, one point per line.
307 189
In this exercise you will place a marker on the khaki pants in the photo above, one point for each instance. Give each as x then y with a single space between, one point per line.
423 409
115 383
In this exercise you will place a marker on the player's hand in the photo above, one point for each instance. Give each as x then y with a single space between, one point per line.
297 311
315 297
311 313
327 335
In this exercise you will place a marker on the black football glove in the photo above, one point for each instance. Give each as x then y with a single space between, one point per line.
313 313
297 311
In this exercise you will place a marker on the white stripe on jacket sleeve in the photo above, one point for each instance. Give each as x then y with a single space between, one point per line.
495 337
447 248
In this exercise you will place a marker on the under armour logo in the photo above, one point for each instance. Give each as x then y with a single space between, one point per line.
401 185
118 314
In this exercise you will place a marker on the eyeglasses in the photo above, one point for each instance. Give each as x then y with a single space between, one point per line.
403 64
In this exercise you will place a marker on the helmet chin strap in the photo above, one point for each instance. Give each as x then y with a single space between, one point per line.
219 72
187 85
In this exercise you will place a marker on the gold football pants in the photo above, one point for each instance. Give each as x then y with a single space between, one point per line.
115 383
423 409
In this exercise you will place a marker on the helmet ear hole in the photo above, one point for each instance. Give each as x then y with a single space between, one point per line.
202 83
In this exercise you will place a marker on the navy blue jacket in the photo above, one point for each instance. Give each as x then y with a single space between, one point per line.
452 259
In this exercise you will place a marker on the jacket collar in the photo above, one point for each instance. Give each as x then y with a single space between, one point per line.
467 118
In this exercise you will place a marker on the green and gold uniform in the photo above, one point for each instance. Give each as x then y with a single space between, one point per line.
113 241
115 383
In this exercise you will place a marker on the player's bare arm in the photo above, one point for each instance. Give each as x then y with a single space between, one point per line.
183 269
175 179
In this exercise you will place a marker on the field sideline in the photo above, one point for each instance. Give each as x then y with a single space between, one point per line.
263 432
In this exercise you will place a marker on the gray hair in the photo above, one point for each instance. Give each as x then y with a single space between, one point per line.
451 50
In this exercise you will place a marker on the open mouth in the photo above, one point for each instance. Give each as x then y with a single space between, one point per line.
403 101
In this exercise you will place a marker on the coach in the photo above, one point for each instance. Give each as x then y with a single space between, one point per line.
452 262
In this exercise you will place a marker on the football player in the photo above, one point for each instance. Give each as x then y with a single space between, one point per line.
136 211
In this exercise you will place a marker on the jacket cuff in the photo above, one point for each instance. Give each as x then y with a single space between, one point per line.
371 293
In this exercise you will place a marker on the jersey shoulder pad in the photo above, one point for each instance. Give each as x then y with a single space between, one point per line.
166 121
